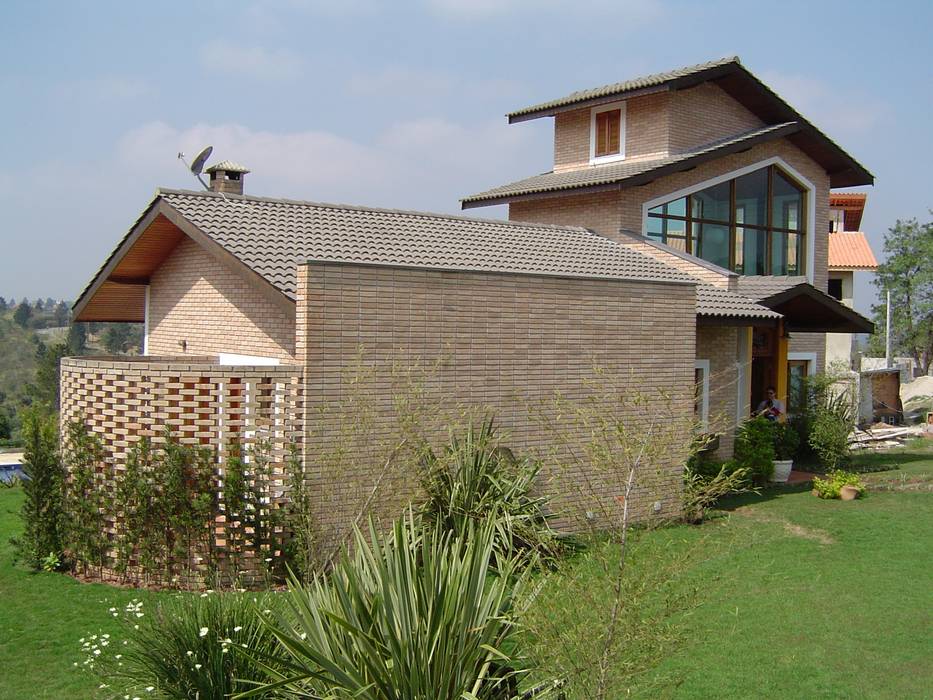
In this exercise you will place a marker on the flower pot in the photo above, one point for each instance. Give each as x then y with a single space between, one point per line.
782 469
848 493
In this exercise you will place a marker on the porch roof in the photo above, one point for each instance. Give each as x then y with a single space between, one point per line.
805 308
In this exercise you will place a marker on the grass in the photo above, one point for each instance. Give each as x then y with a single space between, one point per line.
785 595
42 616
795 597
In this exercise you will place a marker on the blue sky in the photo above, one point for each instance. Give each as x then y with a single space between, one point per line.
397 104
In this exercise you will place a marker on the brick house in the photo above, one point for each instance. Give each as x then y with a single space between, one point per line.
255 308
706 169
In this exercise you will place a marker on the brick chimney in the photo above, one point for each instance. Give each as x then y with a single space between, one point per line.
227 177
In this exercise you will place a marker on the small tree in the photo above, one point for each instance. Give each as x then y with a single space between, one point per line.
48 373
3 304
42 489
22 314
77 339
908 274
62 314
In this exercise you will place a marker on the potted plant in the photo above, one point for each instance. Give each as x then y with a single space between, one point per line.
786 442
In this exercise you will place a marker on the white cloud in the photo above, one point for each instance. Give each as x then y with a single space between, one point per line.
226 57
834 110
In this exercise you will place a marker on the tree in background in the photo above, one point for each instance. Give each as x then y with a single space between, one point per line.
77 339
23 313
118 337
62 314
907 273
3 304
48 373
6 425
39 304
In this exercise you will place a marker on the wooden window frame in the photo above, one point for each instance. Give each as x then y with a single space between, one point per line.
611 157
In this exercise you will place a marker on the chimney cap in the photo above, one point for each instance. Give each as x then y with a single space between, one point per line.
227 166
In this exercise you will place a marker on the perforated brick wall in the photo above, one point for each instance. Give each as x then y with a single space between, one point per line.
199 402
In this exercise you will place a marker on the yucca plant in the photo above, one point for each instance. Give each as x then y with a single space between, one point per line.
474 480
415 614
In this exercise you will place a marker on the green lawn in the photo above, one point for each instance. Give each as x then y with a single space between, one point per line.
42 617
788 596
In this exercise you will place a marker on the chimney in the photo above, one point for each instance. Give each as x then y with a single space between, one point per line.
227 177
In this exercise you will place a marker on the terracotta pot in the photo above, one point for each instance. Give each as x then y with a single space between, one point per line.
848 493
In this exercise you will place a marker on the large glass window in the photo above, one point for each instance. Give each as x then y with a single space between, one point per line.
753 224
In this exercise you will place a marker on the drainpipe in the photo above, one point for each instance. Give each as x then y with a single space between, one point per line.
887 336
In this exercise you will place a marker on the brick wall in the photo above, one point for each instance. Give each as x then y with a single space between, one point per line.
705 113
123 400
196 299
718 345
504 340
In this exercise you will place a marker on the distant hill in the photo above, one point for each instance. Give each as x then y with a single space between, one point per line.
48 326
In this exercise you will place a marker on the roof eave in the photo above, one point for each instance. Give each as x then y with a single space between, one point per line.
643 178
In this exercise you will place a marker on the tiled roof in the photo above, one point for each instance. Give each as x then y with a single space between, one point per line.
758 288
850 251
626 171
718 302
613 89
229 166
274 236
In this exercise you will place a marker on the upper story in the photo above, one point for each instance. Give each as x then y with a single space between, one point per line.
849 250
705 164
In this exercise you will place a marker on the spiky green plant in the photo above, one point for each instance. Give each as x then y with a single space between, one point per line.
185 648
474 480
415 614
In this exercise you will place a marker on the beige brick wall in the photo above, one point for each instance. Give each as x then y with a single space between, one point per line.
505 340
705 113
646 132
599 211
718 345
196 299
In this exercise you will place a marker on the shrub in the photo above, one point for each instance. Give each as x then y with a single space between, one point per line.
702 491
829 431
754 449
786 441
186 648
831 486
475 480
412 615
42 511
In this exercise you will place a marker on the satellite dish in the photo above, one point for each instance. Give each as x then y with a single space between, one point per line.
197 165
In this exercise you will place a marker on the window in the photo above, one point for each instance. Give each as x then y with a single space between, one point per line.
701 394
607 137
797 373
837 220
834 288
751 224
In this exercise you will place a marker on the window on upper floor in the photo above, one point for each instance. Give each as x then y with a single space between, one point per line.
753 224
607 133
837 220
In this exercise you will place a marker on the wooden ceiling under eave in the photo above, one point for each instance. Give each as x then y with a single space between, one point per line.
121 295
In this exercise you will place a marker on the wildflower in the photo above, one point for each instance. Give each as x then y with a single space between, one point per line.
238 628
203 632
189 653
197 667
97 652
150 688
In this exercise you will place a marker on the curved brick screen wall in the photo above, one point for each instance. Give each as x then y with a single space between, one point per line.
121 400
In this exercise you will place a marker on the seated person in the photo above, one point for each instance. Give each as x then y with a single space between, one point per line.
771 408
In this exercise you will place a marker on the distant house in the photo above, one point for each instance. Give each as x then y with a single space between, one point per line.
681 238
849 252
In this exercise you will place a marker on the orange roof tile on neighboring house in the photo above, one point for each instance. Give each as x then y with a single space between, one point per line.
853 203
850 251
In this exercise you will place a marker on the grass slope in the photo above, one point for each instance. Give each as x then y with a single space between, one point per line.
42 616
796 598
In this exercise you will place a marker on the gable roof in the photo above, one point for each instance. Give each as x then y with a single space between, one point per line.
625 173
266 239
850 251
740 84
